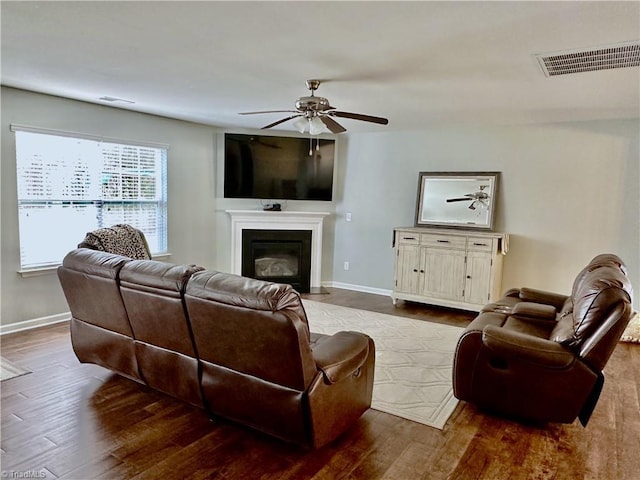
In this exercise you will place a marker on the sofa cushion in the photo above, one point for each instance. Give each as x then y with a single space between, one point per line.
530 326
90 281
152 294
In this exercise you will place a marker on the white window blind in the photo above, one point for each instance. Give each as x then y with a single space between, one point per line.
68 186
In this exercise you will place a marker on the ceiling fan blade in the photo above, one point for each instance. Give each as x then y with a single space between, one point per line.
359 116
465 199
279 122
332 125
268 111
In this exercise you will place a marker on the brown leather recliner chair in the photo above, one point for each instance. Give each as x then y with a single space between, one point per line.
538 355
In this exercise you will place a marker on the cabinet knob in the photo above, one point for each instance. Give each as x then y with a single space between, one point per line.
421 271
415 270
468 276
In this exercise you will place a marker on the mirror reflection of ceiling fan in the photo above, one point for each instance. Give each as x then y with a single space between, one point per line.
478 199
316 113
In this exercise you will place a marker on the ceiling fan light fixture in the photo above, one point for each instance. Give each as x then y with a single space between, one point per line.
300 124
316 127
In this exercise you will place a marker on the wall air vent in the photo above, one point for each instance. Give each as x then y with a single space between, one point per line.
601 58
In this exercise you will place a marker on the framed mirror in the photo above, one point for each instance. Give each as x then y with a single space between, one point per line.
456 199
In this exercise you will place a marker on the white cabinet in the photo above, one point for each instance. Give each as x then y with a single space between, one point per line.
452 268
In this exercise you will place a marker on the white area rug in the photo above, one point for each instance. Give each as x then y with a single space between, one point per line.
632 332
414 360
10 370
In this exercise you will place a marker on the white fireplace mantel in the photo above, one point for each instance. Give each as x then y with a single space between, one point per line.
283 220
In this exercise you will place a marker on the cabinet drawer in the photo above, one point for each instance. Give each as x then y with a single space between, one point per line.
408 238
445 241
479 244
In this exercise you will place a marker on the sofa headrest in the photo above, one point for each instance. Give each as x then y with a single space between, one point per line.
608 259
159 275
242 292
94 262
600 290
599 261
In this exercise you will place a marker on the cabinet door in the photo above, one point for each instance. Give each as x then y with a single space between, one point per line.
444 273
407 268
478 281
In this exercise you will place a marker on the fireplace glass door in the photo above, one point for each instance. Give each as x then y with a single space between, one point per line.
282 256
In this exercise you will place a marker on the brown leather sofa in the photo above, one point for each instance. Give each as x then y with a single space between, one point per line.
237 347
539 356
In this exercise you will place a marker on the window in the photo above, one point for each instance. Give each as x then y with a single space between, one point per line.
68 186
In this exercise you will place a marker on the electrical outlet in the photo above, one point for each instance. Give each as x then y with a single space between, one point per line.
347 217
346 265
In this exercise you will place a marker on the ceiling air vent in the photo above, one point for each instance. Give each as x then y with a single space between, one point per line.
115 100
601 58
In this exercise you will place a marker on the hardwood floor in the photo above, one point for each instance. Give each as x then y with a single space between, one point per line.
71 421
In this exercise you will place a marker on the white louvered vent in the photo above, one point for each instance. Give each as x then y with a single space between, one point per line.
620 55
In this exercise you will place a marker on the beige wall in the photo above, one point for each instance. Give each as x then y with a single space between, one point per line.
568 191
190 187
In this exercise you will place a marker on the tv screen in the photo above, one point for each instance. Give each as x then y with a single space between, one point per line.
278 168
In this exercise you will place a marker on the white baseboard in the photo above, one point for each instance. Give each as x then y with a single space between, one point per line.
358 288
34 323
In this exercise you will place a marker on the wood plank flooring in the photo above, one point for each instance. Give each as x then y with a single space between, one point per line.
71 421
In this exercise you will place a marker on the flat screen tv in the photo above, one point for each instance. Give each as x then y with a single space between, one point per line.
278 168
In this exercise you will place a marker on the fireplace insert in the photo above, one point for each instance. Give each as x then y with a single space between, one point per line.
282 256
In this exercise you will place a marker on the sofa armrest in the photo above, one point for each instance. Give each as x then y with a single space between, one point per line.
540 296
516 345
340 355
539 311
512 292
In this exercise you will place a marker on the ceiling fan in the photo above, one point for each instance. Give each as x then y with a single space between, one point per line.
317 113
480 198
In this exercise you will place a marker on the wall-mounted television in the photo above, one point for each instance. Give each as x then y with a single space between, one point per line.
278 168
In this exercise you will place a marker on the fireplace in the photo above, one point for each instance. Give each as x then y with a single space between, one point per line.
281 222
282 256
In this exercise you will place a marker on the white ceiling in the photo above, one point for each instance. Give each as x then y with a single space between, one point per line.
417 63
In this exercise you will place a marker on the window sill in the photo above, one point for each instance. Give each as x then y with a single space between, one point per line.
49 269
37 271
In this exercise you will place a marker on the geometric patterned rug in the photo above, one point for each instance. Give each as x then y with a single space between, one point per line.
10 370
414 360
